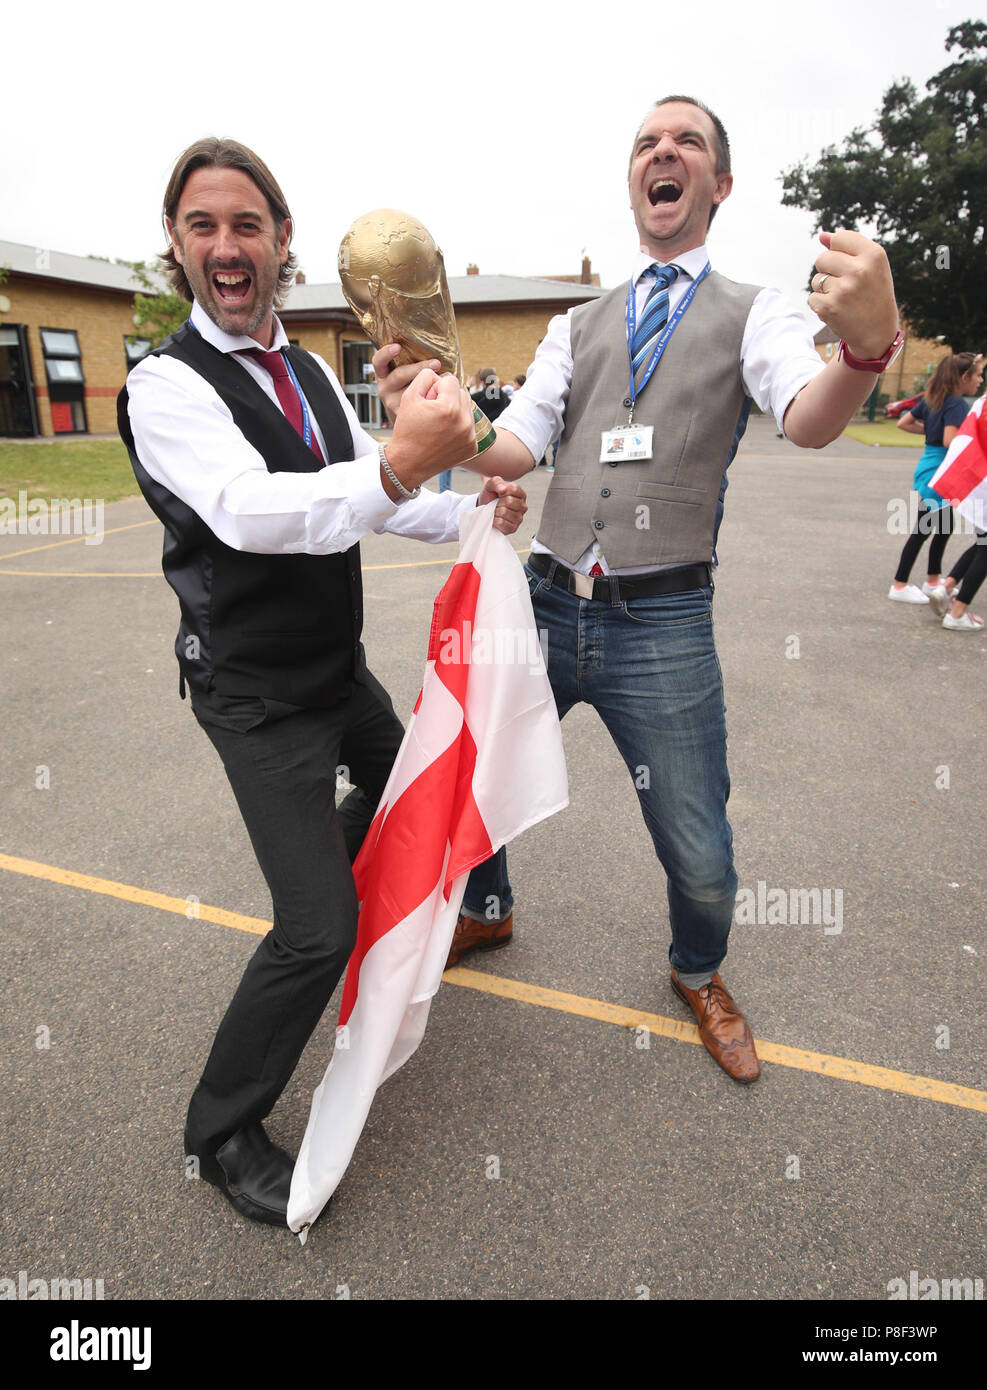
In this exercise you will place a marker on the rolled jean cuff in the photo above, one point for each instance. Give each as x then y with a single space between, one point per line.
696 980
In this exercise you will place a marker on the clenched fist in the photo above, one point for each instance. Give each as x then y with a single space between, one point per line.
512 503
854 294
434 429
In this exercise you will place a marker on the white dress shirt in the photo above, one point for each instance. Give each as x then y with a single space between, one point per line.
777 359
188 441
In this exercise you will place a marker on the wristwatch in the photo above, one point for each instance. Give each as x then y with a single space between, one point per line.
406 496
874 364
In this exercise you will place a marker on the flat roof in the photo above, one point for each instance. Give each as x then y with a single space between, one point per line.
464 289
48 264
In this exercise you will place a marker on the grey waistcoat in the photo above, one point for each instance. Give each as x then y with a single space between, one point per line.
662 510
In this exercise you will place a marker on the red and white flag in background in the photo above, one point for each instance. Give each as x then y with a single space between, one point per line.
481 761
961 478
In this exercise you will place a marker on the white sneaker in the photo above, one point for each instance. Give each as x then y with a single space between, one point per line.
909 594
939 599
965 624
928 588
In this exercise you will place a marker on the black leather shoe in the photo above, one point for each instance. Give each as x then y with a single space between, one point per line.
253 1174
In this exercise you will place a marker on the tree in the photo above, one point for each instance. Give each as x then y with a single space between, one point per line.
158 312
917 181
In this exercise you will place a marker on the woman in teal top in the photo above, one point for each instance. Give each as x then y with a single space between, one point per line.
938 416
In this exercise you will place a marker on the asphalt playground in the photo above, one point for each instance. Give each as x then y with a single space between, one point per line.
559 1134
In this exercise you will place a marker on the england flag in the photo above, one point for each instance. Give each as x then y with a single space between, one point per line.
481 761
961 478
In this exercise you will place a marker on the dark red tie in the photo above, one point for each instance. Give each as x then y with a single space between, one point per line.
284 387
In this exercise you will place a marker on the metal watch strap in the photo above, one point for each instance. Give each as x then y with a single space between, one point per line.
406 496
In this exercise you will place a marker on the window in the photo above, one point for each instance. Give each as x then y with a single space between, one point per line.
66 382
59 343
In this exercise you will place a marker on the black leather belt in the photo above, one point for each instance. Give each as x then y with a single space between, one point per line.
615 587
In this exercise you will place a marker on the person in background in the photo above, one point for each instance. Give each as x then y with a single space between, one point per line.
951 599
938 416
489 395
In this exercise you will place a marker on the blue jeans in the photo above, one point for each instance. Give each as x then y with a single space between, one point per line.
445 480
649 668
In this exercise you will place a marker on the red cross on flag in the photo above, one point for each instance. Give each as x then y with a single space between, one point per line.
481 761
961 478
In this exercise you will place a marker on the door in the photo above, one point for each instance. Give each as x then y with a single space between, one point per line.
360 384
18 407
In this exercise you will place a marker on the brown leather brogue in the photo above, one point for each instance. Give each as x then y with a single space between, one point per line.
722 1027
471 935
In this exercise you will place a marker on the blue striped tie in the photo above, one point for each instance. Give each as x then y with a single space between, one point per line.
653 319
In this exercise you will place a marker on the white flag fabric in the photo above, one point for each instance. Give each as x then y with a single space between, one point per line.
961 478
481 761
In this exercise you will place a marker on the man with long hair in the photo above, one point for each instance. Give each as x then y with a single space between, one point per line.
249 453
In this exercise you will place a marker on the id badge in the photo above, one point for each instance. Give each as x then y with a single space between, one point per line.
626 444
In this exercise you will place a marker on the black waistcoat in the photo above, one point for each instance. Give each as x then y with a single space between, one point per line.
283 626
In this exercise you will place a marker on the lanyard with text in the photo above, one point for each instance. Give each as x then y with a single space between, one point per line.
633 392
306 418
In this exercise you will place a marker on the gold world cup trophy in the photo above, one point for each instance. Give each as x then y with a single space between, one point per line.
394 280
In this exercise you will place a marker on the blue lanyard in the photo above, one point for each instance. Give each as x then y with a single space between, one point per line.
667 332
306 418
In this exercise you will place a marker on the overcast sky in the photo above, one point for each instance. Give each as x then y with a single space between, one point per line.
505 129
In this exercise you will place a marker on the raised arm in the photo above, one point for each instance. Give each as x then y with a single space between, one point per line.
854 294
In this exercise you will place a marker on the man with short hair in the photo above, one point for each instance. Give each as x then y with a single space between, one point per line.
620 568
250 454
489 395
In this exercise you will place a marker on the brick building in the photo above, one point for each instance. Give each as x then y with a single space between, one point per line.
65 321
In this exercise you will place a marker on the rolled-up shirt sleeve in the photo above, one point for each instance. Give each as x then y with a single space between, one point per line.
187 440
777 352
537 410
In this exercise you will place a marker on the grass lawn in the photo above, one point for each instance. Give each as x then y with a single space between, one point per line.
100 468
884 432
93 468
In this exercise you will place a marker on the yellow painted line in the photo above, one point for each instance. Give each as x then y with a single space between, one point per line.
182 906
844 1068
821 1063
76 540
85 574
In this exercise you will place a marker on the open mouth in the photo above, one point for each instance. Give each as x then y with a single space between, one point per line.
664 191
232 286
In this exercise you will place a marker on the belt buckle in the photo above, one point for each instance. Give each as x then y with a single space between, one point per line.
583 585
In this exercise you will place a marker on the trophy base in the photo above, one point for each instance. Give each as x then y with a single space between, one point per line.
485 432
